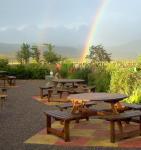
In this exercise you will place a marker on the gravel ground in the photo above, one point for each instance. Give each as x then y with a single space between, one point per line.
23 117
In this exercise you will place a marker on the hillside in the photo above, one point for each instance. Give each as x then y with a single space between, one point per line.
9 50
129 50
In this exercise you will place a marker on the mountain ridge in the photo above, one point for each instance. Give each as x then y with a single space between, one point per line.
130 50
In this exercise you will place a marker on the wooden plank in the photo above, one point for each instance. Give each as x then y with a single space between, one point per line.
112 131
66 131
62 115
122 116
69 105
56 132
48 119
132 106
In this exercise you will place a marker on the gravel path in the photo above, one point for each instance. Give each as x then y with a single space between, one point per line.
23 117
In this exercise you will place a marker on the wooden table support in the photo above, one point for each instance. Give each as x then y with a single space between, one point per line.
2 99
66 131
126 116
140 125
112 131
49 91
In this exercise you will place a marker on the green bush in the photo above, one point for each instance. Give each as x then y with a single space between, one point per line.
135 97
115 77
100 78
123 80
3 62
81 72
66 69
30 71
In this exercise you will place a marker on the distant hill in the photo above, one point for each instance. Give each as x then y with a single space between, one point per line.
9 50
129 50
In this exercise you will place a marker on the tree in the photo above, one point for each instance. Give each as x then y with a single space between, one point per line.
98 53
19 57
49 55
25 52
35 53
3 62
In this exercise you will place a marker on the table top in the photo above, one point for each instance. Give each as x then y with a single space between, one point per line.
3 72
46 87
106 97
68 80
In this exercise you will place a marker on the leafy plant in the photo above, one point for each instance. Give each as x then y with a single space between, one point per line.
50 56
123 81
98 54
3 62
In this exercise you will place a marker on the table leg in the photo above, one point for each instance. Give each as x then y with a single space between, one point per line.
4 82
114 108
112 130
140 126
66 131
41 93
116 112
49 95
48 123
1 103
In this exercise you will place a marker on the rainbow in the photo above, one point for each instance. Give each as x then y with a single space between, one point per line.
92 32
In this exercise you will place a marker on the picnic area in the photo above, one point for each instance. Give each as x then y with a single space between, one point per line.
68 105
23 124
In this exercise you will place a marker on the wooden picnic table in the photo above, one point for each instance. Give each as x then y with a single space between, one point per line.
3 76
48 88
65 81
111 98
79 101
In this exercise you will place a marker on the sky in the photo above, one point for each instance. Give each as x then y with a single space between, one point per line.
68 22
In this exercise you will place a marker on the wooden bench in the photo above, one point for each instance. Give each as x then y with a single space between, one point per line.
69 105
125 116
49 91
3 97
61 91
11 80
3 90
77 90
64 116
133 107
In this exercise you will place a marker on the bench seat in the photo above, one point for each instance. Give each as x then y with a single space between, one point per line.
125 116
64 116
11 80
132 106
69 105
3 97
49 91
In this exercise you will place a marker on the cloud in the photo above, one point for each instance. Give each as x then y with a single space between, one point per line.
2 29
58 35
22 27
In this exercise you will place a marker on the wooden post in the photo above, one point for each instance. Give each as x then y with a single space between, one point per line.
1 103
4 80
114 109
41 92
66 131
120 126
140 126
49 94
48 122
112 131
61 93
